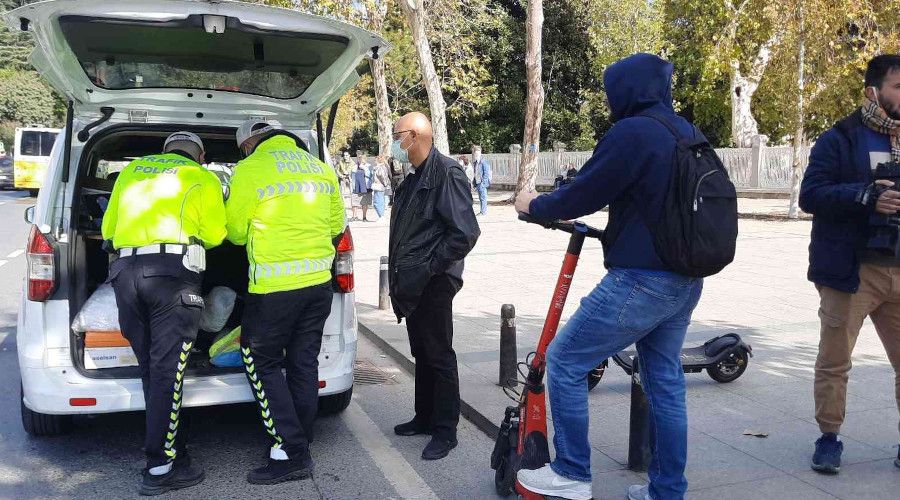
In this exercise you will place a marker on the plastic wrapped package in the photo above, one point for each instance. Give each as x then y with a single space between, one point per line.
225 351
99 313
219 304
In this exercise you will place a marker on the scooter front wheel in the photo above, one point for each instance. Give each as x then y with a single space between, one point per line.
730 369
504 478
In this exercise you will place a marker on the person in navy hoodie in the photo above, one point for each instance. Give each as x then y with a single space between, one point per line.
853 282
640 300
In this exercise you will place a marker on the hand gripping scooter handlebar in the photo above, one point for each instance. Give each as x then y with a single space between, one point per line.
522 442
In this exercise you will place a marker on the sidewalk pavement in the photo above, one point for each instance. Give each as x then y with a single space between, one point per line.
763 296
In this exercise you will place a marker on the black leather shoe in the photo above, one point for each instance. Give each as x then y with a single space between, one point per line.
182 475
411 428
280 471
438 448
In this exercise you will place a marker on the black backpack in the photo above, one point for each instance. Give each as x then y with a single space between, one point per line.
697 230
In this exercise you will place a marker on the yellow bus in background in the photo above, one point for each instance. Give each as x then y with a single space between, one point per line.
31 156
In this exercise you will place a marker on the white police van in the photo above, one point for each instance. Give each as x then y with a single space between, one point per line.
134 72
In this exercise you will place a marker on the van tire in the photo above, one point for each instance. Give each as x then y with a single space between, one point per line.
40 424
33 193
335 403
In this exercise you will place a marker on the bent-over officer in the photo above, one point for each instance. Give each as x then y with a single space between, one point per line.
163 212
286 207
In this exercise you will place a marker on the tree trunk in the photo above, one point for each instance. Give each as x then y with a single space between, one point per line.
415 16
534 107
382 105
743 125
797 178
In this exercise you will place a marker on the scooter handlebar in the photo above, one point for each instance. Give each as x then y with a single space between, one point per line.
565 226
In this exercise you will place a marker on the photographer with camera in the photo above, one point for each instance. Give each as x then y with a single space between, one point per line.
851 188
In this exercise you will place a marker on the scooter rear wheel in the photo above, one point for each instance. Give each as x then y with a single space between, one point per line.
729 370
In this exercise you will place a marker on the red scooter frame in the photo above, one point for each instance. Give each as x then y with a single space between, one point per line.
522 442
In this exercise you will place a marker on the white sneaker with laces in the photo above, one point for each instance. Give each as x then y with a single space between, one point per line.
638 492
546 482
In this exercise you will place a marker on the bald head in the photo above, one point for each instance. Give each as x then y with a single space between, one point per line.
415 134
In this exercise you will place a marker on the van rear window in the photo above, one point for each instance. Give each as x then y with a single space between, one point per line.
118 55
37 143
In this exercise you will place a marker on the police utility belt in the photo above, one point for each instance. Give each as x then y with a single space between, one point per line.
194 255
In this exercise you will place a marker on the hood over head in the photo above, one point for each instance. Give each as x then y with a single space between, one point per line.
637 83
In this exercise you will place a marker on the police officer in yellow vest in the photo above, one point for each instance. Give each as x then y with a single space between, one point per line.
285 205
163 212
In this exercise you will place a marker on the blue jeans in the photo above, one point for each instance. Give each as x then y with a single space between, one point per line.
482 197
378 202
630 306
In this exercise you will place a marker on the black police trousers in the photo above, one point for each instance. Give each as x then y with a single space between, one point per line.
285 328
159 313
430 328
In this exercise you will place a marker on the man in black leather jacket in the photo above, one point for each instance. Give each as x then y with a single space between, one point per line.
433 228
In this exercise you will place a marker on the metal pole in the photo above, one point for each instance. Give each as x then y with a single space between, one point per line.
508 352
639 453
384 290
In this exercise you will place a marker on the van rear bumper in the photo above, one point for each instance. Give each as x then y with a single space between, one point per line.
48 390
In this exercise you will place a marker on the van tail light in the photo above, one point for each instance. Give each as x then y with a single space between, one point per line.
41 266
343 264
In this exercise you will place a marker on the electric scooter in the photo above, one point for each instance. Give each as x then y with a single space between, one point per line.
522 442
724 358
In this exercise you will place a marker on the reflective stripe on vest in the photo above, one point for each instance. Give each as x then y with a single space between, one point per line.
290 268
291 187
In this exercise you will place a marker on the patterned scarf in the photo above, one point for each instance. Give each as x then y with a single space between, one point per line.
875 117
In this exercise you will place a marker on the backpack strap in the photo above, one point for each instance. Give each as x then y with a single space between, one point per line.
671 128
664 122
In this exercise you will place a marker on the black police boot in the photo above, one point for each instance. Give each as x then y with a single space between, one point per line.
412 428
279 471
438 448
182 475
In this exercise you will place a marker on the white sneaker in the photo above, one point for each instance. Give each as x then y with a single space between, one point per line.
638 492
546 482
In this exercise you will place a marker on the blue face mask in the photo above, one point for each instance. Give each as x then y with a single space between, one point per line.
398 153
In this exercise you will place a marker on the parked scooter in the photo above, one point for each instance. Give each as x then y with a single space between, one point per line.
725 358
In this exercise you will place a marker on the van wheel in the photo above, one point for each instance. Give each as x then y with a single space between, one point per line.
33 193
40 424
335 403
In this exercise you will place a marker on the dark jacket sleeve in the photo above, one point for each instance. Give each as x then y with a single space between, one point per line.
609 171
454 207
821 192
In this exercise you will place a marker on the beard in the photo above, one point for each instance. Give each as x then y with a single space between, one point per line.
893 112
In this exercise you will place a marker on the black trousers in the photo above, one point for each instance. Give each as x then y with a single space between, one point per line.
285 328
159 312
430 329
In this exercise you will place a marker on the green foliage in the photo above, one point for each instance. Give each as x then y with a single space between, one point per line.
478 48
25 98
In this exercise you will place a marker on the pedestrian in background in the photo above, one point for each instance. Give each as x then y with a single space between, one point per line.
468 169
482 177
433 228
380 184
361 197
344 169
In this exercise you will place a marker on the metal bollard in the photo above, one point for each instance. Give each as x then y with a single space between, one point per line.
508 351
384 289
639 431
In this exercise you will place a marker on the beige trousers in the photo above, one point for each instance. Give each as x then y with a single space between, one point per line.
842 316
